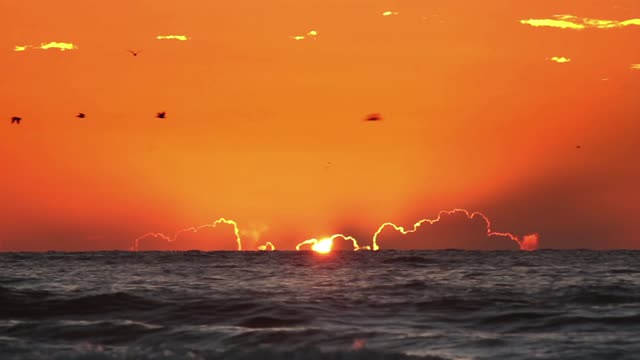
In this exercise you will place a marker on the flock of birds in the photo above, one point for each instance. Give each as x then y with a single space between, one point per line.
161 115
16 119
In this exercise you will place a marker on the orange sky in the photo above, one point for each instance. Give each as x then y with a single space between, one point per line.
476 115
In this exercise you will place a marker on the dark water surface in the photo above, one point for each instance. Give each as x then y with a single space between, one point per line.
290 305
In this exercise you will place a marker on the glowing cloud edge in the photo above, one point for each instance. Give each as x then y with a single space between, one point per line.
573 22
528 242
62 46
173 37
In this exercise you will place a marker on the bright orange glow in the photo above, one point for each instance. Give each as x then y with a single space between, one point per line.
323 246
261 98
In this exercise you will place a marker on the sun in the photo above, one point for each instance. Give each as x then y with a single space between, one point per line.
323 246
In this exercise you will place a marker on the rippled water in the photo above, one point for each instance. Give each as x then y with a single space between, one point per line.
299 305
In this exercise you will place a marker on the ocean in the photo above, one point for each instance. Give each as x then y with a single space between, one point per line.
302 305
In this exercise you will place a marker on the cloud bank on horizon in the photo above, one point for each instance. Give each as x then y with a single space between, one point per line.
477 228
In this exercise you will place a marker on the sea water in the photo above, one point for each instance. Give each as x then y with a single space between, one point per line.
303 305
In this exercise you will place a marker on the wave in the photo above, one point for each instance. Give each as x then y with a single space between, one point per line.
600 295
104 353
27 303
108 332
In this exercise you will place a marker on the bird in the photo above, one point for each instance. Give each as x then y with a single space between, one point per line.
578 147
81 115
135 53
373 117
161 115
16 120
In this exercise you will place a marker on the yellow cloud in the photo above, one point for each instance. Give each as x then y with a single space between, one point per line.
58 45
52 45
562 24
634 67
310 34
389 13
575 23
172 37
560 60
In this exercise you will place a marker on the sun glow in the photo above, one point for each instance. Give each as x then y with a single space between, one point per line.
323 246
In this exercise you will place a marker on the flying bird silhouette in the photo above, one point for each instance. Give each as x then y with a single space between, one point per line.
135 53
16 120
373 117
162 115
81 115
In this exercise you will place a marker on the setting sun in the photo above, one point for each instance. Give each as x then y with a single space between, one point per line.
323 246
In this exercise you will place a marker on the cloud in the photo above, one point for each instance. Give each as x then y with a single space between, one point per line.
267 247
162 242
62 46
310 35
338 242
562 24
576 23
390 13
58 45
457 228
173 37
634 67
255 231
560 60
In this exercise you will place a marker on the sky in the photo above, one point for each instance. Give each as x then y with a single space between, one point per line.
523 111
